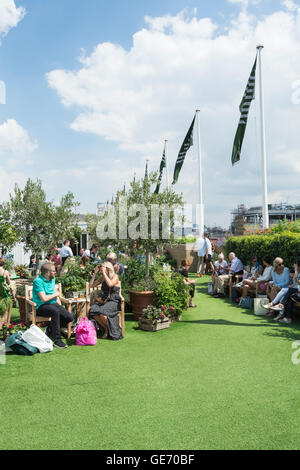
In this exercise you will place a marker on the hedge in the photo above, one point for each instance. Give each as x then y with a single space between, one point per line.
285 245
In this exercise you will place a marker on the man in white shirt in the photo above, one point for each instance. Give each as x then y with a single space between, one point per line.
204 254
65 251
235 268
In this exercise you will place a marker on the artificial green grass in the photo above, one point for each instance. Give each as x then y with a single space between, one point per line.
220 379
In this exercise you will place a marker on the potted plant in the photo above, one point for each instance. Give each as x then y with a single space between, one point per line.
146 230
11 328
22 271
141 296
153 319
171 292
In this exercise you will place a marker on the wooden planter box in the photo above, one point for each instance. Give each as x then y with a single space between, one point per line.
139 301
154 325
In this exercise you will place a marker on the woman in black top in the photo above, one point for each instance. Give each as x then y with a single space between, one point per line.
105 310
185 266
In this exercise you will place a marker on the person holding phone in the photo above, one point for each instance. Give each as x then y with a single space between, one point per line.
108 304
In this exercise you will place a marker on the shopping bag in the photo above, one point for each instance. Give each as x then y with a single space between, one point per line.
86 334
258 305
37 338
16 344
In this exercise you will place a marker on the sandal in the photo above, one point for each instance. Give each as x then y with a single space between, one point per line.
285 320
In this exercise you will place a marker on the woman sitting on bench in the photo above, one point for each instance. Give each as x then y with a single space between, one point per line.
108 303
291 297
249 285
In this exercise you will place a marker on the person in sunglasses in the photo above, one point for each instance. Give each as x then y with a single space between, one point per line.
280 280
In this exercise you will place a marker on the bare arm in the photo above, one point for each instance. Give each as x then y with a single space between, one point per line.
111 282
45 298
93 282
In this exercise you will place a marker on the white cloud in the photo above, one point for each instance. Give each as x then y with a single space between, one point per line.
176 64
8 180
10 16
14 140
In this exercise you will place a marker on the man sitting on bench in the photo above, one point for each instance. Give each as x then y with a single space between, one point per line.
48 304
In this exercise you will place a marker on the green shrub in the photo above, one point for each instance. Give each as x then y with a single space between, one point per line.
5 303
75 278
171 291
285 244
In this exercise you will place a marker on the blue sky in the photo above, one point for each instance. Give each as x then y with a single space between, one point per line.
60 136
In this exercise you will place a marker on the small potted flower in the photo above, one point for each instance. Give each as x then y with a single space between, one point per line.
153 319
11 328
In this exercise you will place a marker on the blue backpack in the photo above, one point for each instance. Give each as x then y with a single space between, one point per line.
19 346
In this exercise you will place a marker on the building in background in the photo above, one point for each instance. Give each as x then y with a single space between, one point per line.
248 220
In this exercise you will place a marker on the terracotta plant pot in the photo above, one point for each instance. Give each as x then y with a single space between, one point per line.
139 301
22 307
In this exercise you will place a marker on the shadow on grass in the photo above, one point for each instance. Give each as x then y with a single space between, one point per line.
223 322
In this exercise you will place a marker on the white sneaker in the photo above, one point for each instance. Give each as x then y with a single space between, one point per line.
268 306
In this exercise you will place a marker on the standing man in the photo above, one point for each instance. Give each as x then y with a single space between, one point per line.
65 251
204 254
48 304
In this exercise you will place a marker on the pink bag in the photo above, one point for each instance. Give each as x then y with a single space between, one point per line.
86 334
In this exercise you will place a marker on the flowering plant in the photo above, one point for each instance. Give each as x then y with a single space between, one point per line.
168 311
11 328
153 313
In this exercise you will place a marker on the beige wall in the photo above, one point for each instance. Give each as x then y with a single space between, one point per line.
185 251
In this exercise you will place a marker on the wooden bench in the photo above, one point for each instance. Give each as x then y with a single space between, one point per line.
30 307
91 295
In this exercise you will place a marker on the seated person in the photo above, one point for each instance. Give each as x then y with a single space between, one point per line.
219 269
84 260
93 253
56 259
280 280
48 304
249 285
235 268
118 267
105 310
287 297
185 265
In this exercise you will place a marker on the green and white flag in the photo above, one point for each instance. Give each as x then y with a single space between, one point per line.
187 143
161 169
249 95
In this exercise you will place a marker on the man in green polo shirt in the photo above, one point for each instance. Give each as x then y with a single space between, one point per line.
48 304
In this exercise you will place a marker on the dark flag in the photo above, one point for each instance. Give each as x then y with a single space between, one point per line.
187 143
249 95
161 169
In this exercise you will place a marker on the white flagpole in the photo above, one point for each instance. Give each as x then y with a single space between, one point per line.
200 187
265 211
167 168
